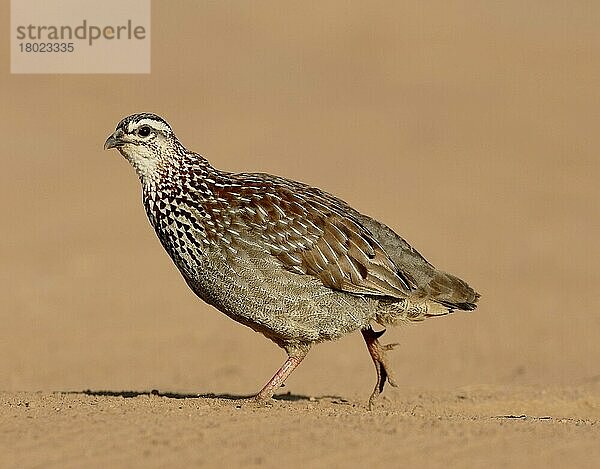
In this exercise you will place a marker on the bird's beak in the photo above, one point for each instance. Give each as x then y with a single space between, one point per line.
115 140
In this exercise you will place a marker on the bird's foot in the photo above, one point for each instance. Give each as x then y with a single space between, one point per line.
265 395
253 402
379 356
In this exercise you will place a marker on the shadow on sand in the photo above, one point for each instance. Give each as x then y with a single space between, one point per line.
174 395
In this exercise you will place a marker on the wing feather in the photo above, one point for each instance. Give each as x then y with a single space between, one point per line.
314 235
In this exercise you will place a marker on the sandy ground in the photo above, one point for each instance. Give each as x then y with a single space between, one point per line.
513 427
469 127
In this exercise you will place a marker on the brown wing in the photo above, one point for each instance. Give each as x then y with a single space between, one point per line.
311 234
431 283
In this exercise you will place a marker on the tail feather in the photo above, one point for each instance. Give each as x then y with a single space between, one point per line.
461 306
451 292
442 295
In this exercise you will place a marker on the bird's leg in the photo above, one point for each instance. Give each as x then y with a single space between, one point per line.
378 354
282 374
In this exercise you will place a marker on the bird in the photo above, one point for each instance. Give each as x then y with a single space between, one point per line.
286 259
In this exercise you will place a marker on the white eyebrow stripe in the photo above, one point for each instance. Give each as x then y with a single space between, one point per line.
152 123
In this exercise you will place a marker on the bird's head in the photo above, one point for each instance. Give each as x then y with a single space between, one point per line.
144 140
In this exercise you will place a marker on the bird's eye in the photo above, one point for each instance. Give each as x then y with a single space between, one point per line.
144 131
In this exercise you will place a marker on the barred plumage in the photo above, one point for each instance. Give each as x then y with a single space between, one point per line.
288 260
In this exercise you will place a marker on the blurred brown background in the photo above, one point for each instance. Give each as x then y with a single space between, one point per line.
471 128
